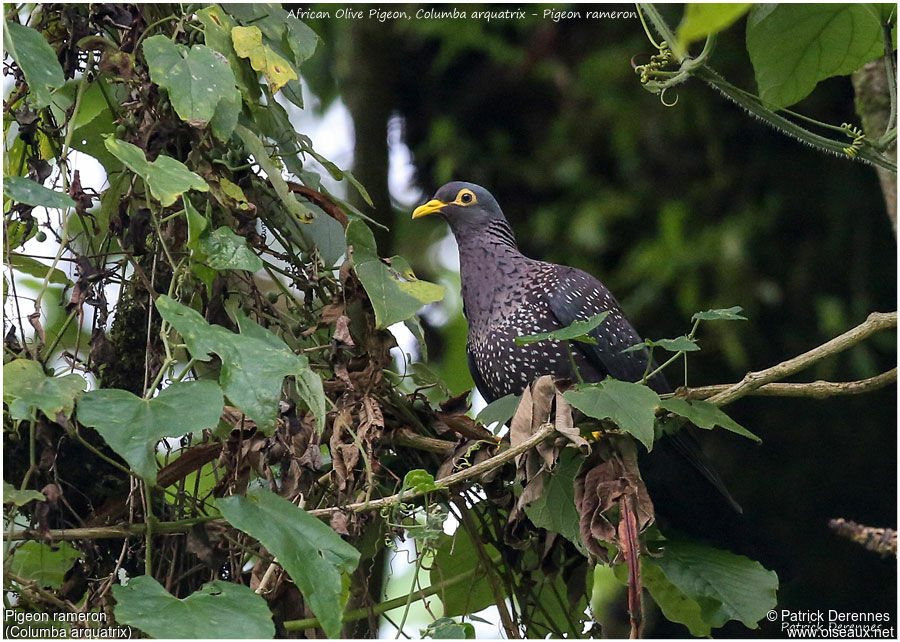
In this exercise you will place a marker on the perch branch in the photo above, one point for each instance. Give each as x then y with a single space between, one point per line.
409 439
813 390
30 586
460 476
877 540
754 380
111 532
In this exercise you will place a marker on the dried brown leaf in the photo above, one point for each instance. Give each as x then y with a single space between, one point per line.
342 331
630 550
606 485
565 423
344 456
339 523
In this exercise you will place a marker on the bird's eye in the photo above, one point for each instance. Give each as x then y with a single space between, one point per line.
466 197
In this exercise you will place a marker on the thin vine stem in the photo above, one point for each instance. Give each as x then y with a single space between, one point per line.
754 105
409 596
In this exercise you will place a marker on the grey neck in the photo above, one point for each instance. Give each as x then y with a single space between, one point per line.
488 257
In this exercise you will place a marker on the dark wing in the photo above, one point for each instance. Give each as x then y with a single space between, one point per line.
580 296
480 383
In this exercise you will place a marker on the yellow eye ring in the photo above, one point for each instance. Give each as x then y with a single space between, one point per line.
465 197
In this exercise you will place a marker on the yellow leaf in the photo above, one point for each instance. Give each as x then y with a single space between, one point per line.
248 44
234 192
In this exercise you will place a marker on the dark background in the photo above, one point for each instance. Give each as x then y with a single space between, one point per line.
677 210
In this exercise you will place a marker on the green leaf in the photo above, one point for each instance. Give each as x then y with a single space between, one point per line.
445 628
311 391
197 225
281 31
217 26
132 426
35 268
12 495
414 325
499 411
248 43
218 609
38 562
92 105
198 229
395 294
225 118
337 173
577 331
26 388
360 188
422 375
254 362
166 177
225 250
301 39
703 19
89 138
630 406
675 605
678 344
196 79
555 509
311 552
720 314
794 46
456 554
18 233
325 234
705 415
23 190
37 60
421 481
725 586
255 146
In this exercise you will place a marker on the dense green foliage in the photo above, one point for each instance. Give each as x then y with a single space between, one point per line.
206 404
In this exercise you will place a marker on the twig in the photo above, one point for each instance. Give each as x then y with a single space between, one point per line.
412 591
149 523
754 380
267 578
468 473
813 390
31 586
877 540
409 439
113 532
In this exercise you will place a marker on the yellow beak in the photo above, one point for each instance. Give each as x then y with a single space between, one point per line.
430 207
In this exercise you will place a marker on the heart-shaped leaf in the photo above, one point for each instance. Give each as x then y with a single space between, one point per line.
26 389
218 610
132 426
310 551
167 178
